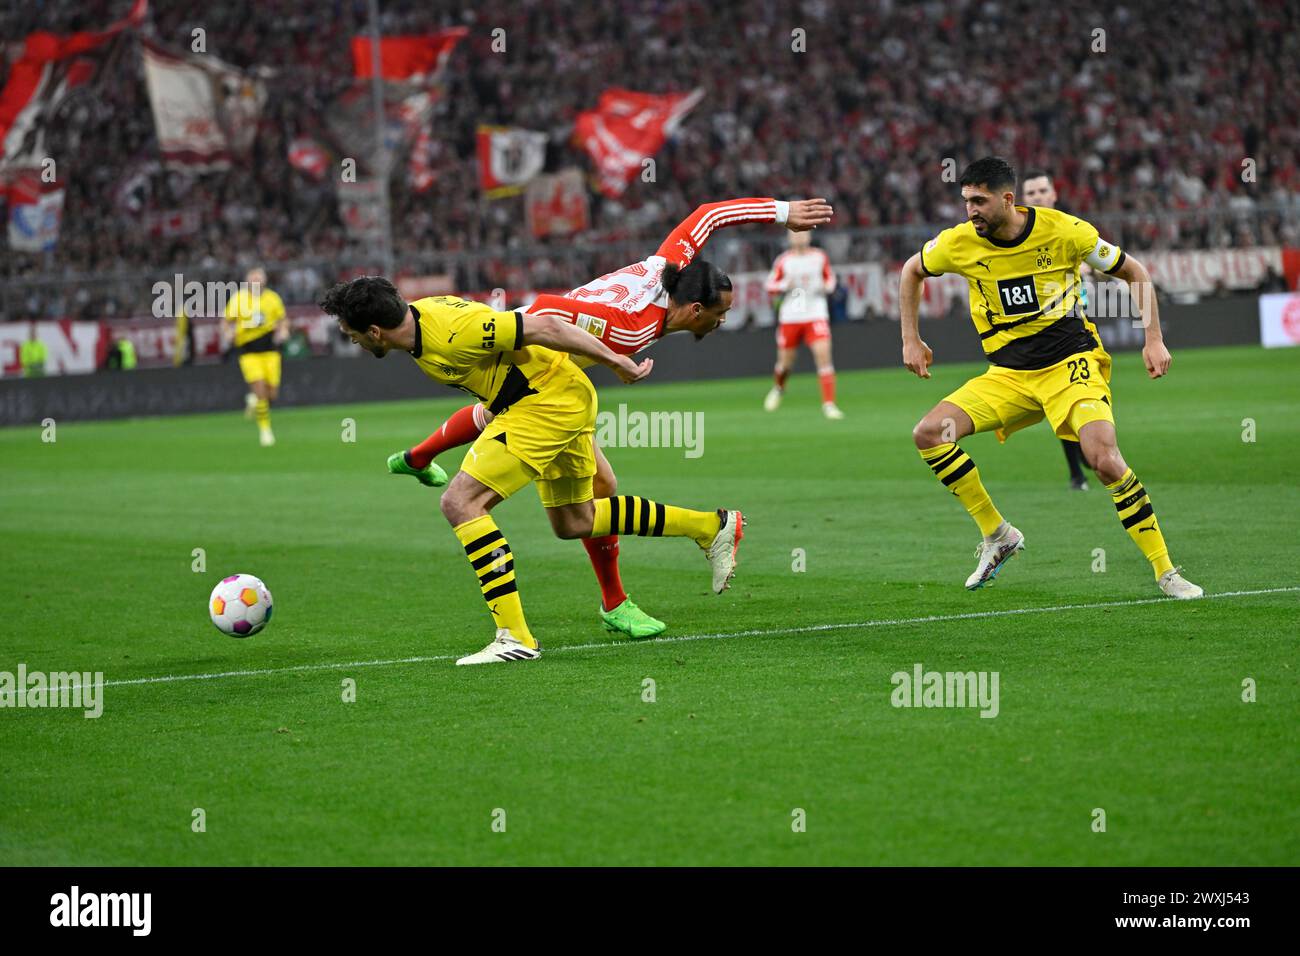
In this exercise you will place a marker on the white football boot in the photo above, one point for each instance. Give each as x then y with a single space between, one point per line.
504 647
1177 586
993 554
722 552
266 437
773 400
832 411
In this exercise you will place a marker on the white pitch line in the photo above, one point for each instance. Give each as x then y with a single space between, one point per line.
765 632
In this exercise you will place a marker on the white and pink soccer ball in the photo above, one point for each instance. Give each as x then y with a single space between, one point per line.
240 605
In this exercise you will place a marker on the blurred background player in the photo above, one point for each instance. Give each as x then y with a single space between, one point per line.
801 280
628 310
1037 189
259 327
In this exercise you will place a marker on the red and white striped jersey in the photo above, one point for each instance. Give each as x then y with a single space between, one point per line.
626 309
804 279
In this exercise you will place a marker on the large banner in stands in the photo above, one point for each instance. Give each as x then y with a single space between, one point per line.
1279 319
75 348
1205 270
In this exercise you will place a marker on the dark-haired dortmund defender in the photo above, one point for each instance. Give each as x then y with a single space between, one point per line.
670 291
1022 264
544 410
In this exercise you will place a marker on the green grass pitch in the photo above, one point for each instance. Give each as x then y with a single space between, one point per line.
1116 700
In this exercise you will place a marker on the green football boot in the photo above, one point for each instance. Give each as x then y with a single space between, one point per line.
433 476
629 619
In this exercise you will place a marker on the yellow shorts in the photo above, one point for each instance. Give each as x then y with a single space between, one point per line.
1069 394
261 367
547 438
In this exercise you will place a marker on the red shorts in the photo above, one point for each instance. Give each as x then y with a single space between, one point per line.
790 334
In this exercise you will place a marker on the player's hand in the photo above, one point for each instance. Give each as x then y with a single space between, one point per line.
630 371
918 358
1157 359
808 214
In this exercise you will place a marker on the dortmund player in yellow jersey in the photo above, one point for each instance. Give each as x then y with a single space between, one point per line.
518 365
260 327
1047 361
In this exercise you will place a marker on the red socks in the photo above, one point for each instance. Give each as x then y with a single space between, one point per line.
461 429
603 552
827 379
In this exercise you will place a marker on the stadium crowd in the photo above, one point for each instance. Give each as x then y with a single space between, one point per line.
1157 120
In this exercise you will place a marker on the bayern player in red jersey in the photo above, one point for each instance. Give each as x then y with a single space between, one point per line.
671 291
801 280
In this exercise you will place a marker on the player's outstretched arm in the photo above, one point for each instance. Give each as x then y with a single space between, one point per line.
554 333
808 214
685 242
916 354
1143 291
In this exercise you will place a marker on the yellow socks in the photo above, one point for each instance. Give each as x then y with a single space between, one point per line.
626 514
955 469
262 412
1135 514
489 555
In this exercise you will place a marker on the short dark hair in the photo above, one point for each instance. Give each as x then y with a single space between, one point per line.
993 172
701 282
1037 174
365 301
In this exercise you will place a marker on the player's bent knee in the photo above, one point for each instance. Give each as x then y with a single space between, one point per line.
926 434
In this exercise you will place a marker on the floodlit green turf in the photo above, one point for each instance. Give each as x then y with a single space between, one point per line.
1135 708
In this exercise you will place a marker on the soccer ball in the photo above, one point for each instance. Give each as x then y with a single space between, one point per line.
240 605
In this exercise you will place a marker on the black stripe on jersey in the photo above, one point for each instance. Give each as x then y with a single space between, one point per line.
501 590
419 333
484 541
1065 337
519 331
613 515
496 554
660 514
515 387
487 578
644 527
263 343
957 472
1118 262
1140 515
939 466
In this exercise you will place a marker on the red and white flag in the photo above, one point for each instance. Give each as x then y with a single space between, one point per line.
557 205
415 59
508 158
309 157
411 67
205 111
49 67
626 128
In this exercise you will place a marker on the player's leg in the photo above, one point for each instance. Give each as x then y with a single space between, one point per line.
1074 461
618 612
787 345
257 371
489 475
985 403
461 428
1132 504
820 345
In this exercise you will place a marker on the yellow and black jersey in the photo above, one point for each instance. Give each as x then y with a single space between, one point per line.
255 318
471 346
1025 292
